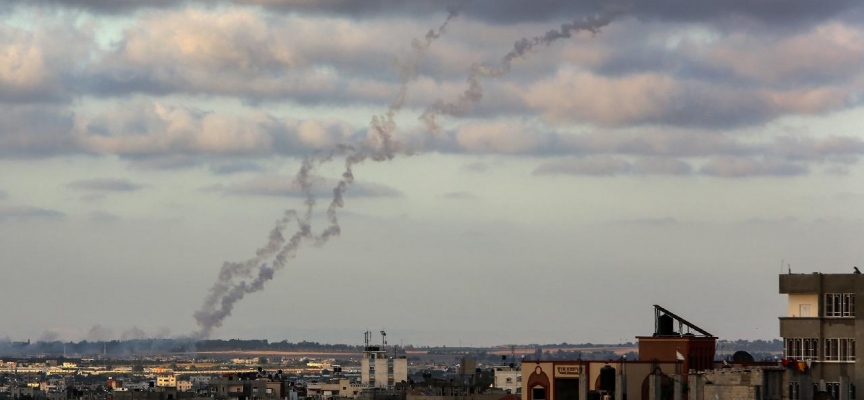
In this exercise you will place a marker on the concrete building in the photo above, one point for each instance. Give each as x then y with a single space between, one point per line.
379 371
166 380
508 378
333 388
665 361
761 383
819 331
248 387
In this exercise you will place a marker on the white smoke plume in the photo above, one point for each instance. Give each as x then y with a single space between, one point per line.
235 280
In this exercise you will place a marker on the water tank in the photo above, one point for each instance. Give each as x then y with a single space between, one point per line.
607 378
665 325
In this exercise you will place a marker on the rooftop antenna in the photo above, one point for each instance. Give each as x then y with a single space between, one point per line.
384 338
367 336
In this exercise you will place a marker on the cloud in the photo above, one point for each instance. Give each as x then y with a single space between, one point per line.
23 213
773 12
280 186
659 98
3 194
35 66
234 167
661 166
142 130
35 130
741 167
499 137
105 185
169 161
610 165
592 166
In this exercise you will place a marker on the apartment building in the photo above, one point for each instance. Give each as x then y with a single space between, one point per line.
379 371
819 330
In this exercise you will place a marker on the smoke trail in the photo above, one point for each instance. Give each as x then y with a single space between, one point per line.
474 93
379 146
230 286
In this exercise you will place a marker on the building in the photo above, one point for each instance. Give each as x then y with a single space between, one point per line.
167 380
690 344
379 371
763 383
333 388
508 378
666 359
819 332
249 386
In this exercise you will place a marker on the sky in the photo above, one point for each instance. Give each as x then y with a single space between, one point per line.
518 172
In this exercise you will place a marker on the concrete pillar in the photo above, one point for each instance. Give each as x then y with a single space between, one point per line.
677 393
621 386
844 387
654 387
696 391
805 387
583 384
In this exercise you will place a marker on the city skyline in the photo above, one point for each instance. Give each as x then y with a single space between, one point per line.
587 160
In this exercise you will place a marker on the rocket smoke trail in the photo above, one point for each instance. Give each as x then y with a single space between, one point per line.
235 280
474 93
231 284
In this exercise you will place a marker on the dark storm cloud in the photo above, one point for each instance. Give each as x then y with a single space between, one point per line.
23 213
105 185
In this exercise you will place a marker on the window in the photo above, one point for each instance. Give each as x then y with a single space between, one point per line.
794 391
538 393
802 348
839 305
839 349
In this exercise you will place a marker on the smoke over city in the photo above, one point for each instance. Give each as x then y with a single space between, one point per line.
237 279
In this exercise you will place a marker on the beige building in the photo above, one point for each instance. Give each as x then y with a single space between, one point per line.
379 371
763 383
508 378
167 380
334 388
573 380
